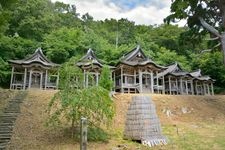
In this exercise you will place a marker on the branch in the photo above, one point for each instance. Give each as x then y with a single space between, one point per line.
209 50
212 39
209 27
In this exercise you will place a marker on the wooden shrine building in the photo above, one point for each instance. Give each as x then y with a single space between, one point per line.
136 73
203 84
35 71
91 67
178 81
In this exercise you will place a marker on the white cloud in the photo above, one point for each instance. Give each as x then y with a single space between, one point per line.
148 14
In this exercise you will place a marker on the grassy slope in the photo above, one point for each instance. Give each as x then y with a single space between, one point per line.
202 128
5 96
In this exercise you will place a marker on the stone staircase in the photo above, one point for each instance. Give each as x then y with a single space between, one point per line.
8 117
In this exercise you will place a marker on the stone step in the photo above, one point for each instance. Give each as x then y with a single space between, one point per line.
6 132
4 141
2 124
6 129
8 118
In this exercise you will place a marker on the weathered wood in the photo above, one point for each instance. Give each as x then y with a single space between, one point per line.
12 74
212 89
169 86
83 134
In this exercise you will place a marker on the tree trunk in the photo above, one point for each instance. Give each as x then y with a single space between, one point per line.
223 46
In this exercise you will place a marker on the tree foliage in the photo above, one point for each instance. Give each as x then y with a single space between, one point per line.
105 78
203 16
73 101
63 33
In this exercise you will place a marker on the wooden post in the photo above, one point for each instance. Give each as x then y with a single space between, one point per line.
12 75
192 87
208 91
46 78
83 134
114 76
204 88
186 84
135 77
152 82
122 80
57 80
157 81
87 76
140 80
163 84
212 88
84 78
196 87
181 86
169 85
41 79
25 79
176 85
30 79
97 78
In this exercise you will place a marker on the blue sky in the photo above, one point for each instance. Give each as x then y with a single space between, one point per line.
148 12
131 4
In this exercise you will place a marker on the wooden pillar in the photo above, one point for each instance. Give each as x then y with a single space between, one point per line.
122 90
46 78
140 80
176 85
114 77
208 90
135 81
163 80
152 82
169 85
84 78
157 81
192 87
87 76
24 78
212 90
97 78
204 88
41 80
30 79
181 86
57 80
12 76
186 85
196 87
83 133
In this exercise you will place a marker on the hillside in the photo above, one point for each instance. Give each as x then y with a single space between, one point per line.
195 122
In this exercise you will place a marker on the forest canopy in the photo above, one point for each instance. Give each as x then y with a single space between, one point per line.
63 33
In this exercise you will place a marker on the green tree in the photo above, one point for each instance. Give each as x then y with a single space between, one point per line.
105 78
74 101
63 43
203 16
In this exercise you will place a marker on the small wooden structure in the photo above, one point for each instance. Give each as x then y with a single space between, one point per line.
203 85
178 81
136 73
142 122
35 71
91 67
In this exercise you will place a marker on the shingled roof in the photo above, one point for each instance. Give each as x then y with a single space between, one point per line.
136 57
196 73
90 59
37 57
